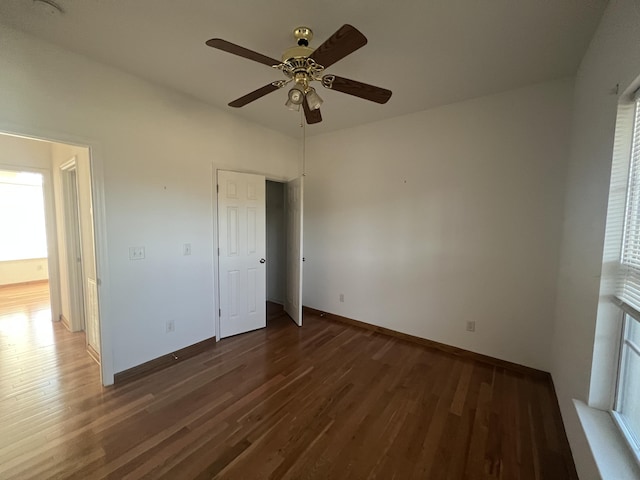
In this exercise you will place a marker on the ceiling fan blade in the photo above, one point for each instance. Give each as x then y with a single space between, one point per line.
312 116
256 94
357 89
241 51
346 40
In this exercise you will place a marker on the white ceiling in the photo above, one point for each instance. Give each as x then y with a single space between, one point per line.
428 52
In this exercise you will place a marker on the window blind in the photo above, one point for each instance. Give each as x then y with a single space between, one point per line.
630 257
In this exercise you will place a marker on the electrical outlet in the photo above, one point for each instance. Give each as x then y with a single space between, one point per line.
136 253
186 249
342 297
171 326
471 326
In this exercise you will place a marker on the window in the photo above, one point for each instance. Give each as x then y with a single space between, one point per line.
627 406
21 216
630 256
626 409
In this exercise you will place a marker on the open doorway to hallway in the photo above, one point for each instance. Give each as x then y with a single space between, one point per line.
49 273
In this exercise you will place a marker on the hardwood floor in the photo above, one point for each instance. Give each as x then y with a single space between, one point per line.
326 401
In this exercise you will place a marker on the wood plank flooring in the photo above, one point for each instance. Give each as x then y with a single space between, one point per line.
326 401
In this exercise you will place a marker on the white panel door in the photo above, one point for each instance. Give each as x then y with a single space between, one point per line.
293 301
242 243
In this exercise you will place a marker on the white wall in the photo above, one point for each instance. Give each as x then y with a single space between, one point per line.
22 271
156 148
612 59
276 243
428 220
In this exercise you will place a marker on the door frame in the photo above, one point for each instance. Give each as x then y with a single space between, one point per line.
73 243
216 263
100 231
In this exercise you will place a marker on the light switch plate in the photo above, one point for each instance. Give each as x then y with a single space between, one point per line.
136 253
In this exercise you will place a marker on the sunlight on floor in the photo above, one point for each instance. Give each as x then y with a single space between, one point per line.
35 328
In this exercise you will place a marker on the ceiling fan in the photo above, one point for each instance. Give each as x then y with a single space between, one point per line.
303 65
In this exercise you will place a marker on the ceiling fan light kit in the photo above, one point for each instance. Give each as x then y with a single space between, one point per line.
292 106
313 99
296 95
303 65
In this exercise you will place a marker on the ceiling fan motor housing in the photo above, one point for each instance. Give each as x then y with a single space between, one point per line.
296 63
299 52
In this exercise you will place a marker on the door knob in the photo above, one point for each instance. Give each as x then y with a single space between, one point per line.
262 260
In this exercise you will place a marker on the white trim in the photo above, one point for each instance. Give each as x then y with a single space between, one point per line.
70 164
628 435
610 452
626 308
100 230
216 266
73 243
632 345
629 438
102 264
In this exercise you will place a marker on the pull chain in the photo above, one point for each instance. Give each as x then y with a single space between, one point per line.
303 125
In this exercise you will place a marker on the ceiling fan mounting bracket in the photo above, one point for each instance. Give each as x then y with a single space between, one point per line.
303 36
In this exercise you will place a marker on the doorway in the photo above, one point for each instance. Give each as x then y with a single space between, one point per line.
65 241
277 222
259 247
78 278
276 214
